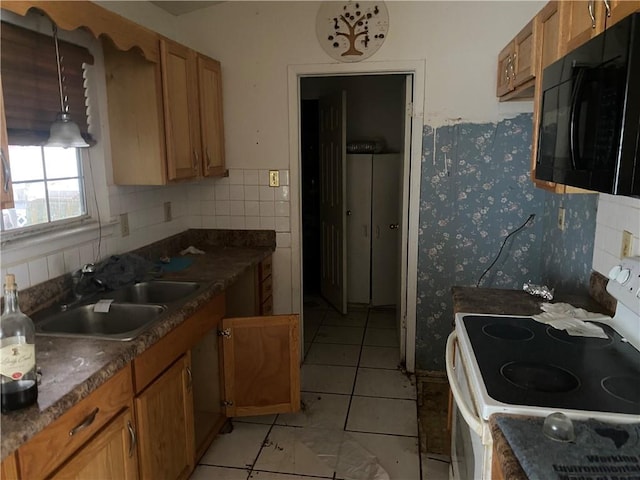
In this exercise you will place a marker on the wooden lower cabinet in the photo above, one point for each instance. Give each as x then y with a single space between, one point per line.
9 468
180 391
109 455
164 413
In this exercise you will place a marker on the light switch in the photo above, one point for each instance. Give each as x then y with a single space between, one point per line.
274 178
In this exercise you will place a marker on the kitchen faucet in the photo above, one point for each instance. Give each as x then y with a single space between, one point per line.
78 277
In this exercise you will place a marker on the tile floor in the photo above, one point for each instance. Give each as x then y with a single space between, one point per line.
359 417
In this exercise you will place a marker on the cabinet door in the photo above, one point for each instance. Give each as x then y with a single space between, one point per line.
583 19
261 365
208 417
549 30
9 468
524 55
180 95
505 70
6 192
618 9
211 119
110 454
165 425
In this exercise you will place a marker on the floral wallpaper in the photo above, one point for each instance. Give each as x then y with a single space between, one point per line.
475 190
567 255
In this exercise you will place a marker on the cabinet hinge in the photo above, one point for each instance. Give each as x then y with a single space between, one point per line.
225 403
225 333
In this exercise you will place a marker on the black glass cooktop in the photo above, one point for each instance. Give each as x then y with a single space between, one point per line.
524 362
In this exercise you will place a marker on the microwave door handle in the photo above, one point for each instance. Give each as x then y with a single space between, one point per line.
573 120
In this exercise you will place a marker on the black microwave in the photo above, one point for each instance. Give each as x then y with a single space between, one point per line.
589 133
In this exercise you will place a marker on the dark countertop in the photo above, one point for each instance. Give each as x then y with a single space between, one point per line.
73 368
516 302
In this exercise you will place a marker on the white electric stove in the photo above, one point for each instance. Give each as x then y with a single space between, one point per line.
514 364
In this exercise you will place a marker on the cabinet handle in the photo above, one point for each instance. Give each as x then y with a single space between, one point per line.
208 158
196 159
85 423
608 7
393 226
134 439
190 375
512 64
6 171
590 6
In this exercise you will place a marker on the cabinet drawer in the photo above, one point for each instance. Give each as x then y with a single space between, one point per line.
265 268
48 449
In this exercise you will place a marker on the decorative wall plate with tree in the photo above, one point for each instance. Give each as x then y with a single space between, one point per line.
352 31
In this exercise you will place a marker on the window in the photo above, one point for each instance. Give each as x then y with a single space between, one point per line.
48 186
48 183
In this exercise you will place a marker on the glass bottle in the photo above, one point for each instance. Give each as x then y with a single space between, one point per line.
18 381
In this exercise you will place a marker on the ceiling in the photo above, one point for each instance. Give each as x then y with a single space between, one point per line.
182 7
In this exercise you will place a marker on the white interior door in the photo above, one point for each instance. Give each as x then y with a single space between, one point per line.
385 225
333 217
359 228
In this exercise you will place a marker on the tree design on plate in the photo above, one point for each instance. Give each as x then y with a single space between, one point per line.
352 31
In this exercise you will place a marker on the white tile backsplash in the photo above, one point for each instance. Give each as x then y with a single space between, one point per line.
615 214
241 201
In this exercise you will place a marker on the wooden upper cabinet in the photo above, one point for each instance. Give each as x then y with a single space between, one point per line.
211 118
110 454
584 19
549 49
180 94
261 365
6 191
136 117
618 9
516 66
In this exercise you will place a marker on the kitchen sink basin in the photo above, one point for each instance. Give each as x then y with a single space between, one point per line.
158 291
122 322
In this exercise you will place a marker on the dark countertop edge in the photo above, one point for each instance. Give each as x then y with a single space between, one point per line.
16 420
507 460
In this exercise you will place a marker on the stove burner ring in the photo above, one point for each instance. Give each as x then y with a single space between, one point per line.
623 387
587 342
503 331
540 377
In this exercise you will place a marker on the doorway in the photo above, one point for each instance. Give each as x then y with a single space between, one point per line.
413 73
374 113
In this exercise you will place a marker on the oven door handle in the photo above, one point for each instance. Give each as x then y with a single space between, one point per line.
472 420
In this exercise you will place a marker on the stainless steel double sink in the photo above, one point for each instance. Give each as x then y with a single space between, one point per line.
133 310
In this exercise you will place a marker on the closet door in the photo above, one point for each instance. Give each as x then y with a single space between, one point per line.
387 169
358 227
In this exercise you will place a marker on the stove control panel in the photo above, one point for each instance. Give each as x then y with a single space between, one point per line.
624 283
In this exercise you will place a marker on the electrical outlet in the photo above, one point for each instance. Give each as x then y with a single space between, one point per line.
167 212
627 244
274 178
561 224
124 224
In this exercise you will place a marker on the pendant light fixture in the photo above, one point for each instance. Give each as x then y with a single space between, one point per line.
64 131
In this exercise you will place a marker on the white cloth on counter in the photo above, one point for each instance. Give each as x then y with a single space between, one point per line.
574 320
192 250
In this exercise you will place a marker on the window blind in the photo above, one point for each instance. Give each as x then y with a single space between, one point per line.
30 84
